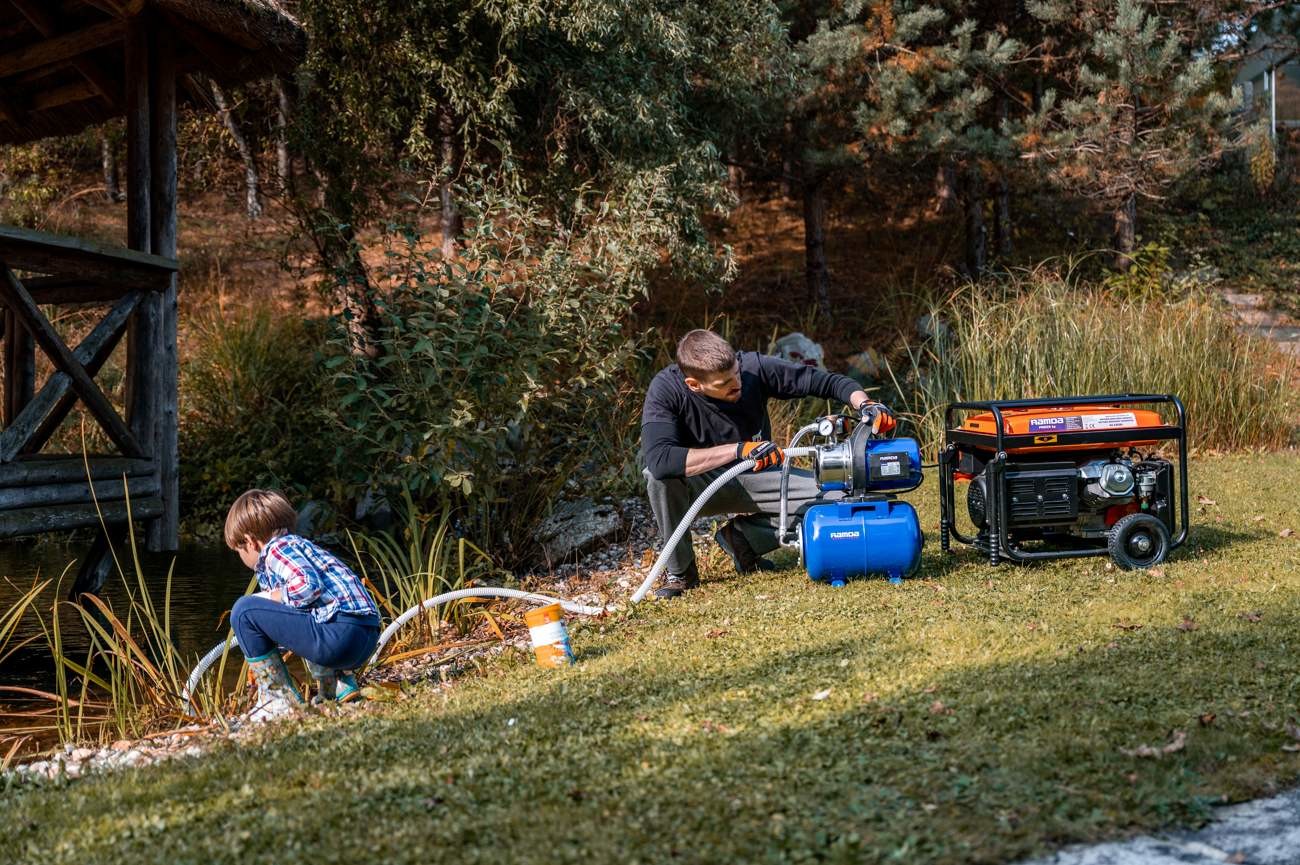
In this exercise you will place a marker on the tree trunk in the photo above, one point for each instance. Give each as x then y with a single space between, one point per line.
814 241
108 158
283 163
253 200
789 165
1002 201
945 187
976 233
449 219
1125 237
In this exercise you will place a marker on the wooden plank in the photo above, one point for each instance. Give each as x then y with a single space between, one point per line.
74 493
137 134
164 533
20 368
17 298
57 254
34 521
39 421
63 469
63 47
45 24
48 290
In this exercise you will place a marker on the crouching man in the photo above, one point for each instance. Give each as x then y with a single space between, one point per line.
703 414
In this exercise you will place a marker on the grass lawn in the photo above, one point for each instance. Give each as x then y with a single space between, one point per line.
974 715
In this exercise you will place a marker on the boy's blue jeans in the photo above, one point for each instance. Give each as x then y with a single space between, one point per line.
343 643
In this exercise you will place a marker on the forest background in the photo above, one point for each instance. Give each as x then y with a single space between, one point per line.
440 263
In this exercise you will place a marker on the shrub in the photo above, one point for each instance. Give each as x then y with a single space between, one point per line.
251 388
1038 335
500 372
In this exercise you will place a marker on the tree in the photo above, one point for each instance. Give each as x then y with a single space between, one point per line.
1138 103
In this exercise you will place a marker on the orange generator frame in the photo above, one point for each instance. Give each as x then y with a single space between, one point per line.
1067 472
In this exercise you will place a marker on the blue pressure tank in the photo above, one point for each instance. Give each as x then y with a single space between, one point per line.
860 537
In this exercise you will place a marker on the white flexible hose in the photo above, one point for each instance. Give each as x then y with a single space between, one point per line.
487 591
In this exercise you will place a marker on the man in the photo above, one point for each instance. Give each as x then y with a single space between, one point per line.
704 413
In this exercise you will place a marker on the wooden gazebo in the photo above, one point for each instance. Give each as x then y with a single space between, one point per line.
65 65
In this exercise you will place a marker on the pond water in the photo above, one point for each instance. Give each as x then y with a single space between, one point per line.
206 580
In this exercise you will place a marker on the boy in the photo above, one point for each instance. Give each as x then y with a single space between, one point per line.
310 603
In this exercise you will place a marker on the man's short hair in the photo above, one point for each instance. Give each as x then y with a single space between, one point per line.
703 352
260 515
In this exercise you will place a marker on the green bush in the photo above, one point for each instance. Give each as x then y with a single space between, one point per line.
1037 335
251 390
500 372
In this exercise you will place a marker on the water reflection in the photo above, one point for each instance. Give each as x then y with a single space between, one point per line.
206 580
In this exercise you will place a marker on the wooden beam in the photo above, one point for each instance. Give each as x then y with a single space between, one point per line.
45 24
72 291
137 134
18 300
61 255
164 533
76 493
219 54
20 368
63 47
77 91
30 430
60 469
35 521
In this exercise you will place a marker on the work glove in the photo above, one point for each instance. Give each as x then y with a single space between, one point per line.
879 416
764 454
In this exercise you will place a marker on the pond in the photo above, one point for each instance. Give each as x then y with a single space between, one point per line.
206 580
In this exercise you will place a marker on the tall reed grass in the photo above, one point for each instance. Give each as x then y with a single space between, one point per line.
1040 335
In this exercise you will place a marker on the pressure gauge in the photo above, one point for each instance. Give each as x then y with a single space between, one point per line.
826 427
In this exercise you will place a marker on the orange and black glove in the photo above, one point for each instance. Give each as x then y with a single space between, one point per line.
764 454
879 416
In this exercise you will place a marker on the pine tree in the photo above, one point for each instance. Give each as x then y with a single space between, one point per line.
1135 106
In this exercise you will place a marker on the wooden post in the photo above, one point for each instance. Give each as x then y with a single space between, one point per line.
20 367
137 134
163 533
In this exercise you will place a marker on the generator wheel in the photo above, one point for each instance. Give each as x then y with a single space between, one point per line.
1138 541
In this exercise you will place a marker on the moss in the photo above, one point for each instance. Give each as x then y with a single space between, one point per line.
975 715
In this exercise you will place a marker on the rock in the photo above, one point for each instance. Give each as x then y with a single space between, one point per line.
121 745
310 517
868 366
575 527
797 348
930 327
81 755
374 511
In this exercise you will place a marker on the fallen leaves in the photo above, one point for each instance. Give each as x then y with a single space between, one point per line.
822 695
1252 616
1126 625
1207 719
1188 624
938 708
1286 533
1205 500
1177 743
715 633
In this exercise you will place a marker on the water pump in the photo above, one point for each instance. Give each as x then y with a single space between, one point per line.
860 529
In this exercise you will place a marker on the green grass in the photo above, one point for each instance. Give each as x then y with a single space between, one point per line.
974 715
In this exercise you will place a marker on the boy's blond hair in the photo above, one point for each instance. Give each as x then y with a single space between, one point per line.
702 352
260 515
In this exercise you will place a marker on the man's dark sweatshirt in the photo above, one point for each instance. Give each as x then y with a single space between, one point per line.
675 419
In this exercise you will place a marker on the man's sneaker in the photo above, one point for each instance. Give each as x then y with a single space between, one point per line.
674 584
733 543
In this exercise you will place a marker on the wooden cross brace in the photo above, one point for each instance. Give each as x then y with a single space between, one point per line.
75 371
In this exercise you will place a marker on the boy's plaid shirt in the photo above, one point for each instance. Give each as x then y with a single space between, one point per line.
312 578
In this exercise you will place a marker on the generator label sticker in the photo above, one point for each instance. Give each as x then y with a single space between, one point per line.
1116 420
891 467
1060 423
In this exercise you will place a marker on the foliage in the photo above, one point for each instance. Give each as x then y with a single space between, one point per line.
497 367
421 560
1262 158
250 390
1042 335
976 715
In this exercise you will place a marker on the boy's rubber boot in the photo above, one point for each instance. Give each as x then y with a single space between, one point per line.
276 692
348 689
327 681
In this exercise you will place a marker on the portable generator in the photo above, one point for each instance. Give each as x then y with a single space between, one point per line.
865 530
1067 477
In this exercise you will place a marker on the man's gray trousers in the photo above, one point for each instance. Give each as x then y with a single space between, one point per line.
757 495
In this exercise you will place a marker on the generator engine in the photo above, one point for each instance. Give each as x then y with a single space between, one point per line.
867 530
1083 476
